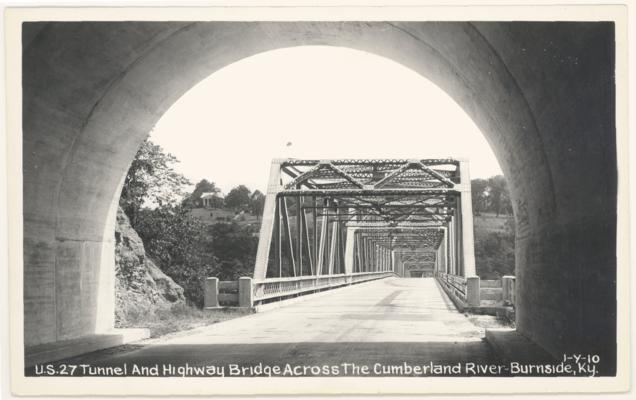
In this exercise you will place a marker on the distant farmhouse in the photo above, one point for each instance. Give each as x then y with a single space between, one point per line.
210 200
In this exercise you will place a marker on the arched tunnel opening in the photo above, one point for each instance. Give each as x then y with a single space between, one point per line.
542 93
220 232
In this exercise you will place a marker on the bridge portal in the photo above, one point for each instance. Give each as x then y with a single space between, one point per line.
357 220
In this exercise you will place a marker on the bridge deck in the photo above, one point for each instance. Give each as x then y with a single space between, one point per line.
390 321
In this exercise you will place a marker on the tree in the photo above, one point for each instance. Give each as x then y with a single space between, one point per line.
257 203
498 194
238 198
479 195
151 181
491 195
235 248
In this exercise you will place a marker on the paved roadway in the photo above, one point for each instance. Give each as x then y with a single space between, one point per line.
389 321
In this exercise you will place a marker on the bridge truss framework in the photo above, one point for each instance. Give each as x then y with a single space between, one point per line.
344 218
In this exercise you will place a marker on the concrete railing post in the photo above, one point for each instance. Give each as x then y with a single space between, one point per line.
211 293
508 289
245 292
472 291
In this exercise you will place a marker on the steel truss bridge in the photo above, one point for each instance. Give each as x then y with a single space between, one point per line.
329 223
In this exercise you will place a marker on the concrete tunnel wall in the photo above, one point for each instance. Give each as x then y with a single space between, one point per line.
542 94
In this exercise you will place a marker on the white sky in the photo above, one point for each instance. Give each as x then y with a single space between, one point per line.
314 102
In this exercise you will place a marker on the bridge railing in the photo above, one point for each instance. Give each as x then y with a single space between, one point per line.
271 288
253 292
454 285
463 291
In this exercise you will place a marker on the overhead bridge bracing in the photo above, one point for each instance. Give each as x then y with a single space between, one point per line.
349 217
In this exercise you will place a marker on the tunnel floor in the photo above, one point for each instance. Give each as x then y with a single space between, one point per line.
390 321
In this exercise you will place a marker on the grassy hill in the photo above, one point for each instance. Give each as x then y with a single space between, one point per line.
494 245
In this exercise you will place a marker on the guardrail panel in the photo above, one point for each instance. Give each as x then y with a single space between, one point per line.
281 287
454 285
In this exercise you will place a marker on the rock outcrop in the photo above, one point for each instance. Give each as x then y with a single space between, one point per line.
141 287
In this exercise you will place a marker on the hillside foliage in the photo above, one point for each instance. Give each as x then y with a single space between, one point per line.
491 195
494 245
182 245
494 228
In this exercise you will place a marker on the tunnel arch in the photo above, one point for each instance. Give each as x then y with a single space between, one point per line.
93 91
